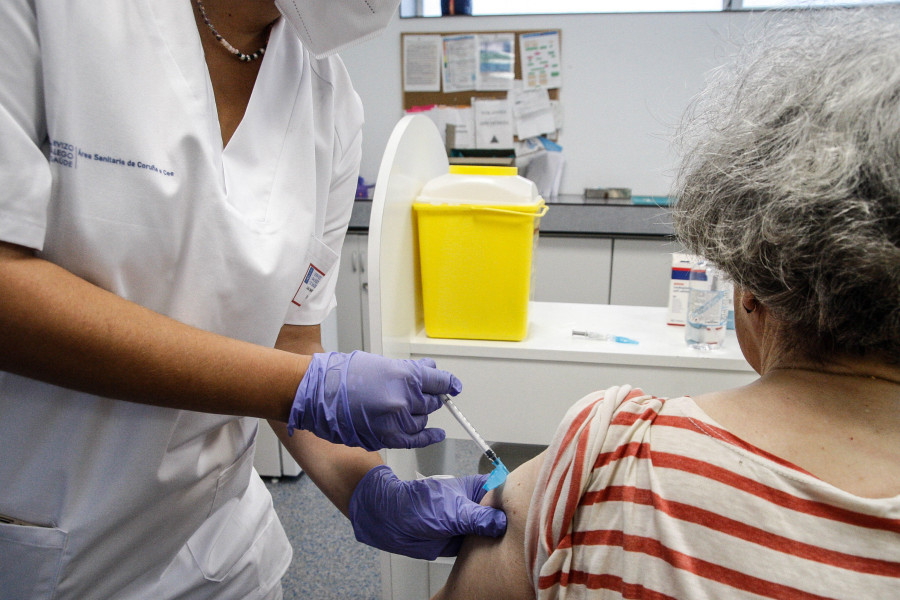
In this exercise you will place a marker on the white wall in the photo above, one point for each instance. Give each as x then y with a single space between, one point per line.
627 78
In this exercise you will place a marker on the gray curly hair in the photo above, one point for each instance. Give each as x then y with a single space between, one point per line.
790 180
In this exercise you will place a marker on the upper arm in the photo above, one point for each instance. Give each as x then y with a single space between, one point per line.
300 339
475 573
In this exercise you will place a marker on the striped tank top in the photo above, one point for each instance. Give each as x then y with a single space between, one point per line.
645 497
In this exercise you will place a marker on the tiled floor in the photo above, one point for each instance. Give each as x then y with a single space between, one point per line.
328 564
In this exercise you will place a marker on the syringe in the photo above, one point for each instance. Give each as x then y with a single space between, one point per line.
603 337
498 475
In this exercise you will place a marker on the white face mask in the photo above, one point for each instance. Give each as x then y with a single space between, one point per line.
329 26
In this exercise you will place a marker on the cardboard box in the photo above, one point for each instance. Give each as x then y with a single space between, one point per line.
679 287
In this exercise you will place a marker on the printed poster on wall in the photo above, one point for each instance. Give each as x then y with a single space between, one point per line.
422 63
496 61
541 64
460 64
493 123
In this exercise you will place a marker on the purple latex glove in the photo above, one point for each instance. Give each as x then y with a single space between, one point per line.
422 519
367 400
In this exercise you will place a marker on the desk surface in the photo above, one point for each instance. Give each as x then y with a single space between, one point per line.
550 338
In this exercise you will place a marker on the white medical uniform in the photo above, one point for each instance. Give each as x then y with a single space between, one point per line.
111 164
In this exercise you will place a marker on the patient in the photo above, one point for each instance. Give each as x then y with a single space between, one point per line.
788 487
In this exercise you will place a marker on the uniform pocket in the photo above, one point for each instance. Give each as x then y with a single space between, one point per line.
31 558
242 542
232 481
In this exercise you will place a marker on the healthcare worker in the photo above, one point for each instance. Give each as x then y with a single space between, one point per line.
176 178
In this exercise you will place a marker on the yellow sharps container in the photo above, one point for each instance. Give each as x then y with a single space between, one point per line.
477 232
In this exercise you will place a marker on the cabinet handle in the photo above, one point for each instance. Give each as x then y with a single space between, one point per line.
365 286
353 262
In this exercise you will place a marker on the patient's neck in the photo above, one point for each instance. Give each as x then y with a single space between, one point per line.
840 421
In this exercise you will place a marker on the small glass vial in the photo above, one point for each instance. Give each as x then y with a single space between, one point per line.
708 304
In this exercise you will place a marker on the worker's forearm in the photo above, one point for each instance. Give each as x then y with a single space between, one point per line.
335 469
58 328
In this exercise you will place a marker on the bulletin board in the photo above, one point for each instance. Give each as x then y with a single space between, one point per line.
464 98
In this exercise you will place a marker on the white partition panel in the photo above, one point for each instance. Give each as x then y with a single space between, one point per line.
414 154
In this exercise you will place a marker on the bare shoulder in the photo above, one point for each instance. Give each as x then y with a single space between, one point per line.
826 425
494 568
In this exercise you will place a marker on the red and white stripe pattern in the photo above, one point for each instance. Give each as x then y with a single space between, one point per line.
644 497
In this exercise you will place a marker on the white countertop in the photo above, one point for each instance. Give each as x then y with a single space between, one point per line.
550 338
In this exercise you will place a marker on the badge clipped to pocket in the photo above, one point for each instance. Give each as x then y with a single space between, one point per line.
320 260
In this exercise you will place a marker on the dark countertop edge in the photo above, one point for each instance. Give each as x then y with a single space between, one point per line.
570 219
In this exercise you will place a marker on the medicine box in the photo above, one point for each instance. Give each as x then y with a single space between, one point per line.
679 287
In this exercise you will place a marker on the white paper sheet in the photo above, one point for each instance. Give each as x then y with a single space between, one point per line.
460 63
464 121
541 59
493 123
422 63
557 114
496 61
545 170
532 112
461 118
